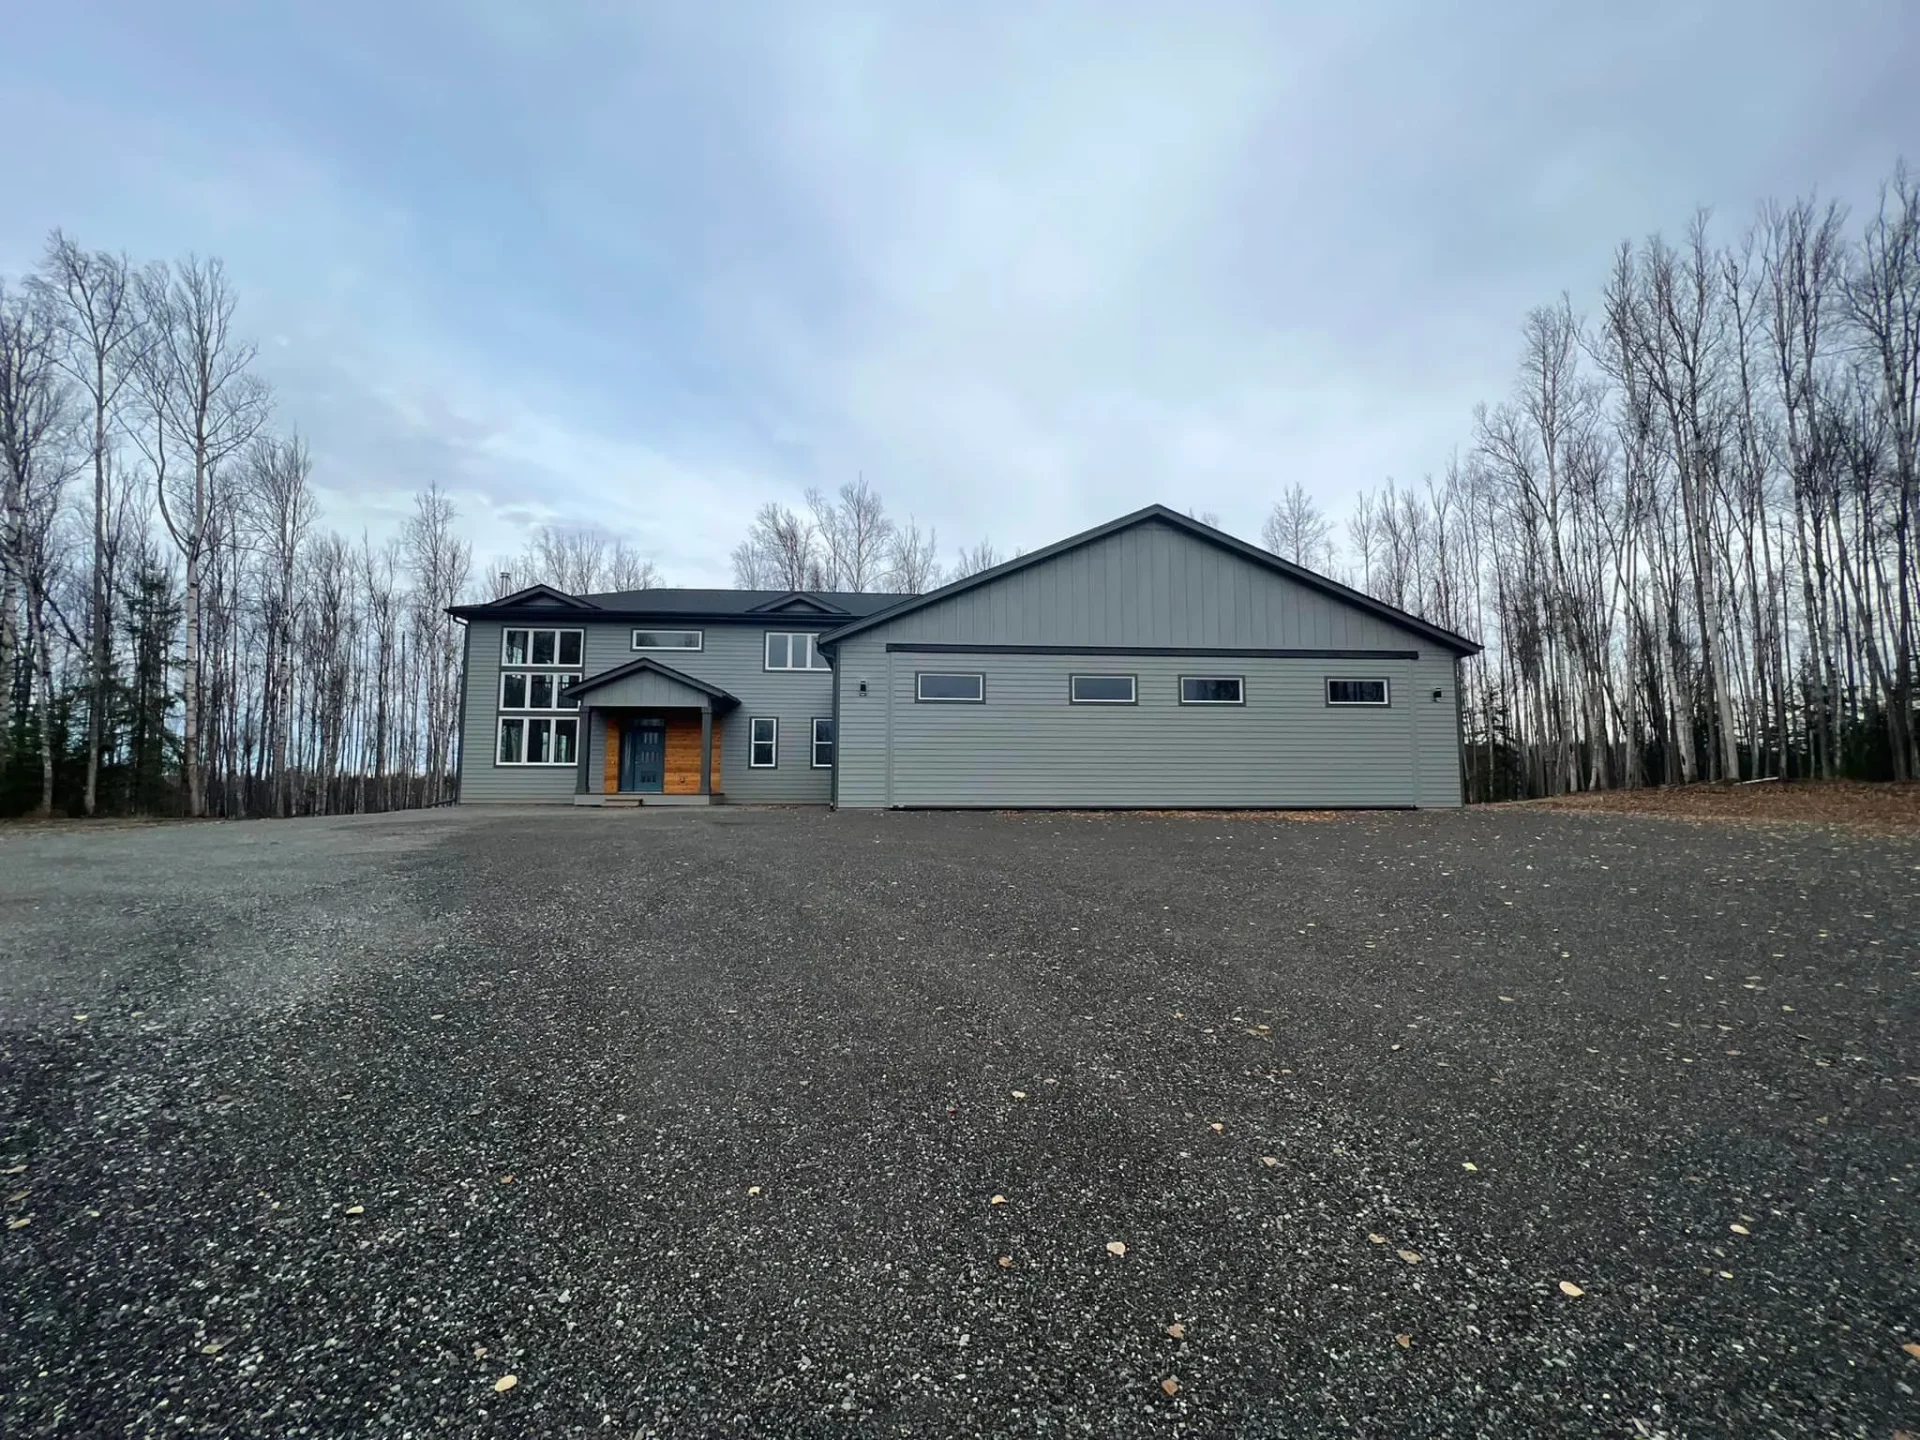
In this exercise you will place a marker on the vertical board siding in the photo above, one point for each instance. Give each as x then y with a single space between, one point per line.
733 659
1150 585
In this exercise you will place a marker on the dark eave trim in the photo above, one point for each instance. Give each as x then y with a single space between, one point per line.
538 614
1446 639
1218 652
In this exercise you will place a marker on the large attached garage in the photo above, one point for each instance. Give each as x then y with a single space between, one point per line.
1151 662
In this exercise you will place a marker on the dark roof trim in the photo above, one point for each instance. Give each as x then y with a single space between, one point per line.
676 619
722 700
532 593
1458 644
793 600
1202 652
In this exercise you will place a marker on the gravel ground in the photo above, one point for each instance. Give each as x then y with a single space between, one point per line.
1497 1123
1795 802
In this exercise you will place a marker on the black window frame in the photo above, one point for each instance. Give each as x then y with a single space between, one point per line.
813 751
754 742
920 698
1383 703
1133 689
1239 680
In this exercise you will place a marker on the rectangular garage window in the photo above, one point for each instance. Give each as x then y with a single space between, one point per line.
1212 690
948 689
763 742
1356 692
1101 689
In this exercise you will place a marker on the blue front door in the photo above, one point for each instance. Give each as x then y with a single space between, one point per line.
643 755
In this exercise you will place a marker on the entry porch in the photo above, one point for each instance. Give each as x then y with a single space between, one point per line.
651 736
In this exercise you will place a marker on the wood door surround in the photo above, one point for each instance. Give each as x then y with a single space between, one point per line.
683 751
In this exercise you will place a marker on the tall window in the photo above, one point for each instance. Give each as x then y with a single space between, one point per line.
1356 692
763 742
539 668
794 650
822 742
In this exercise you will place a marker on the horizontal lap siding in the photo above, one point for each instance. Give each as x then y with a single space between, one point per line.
1437 723
733 658
1028 746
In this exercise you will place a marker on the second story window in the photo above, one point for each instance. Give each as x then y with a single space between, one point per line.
794 650
667 639
528 646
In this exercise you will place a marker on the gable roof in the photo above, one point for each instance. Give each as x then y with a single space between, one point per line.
723 700
1160 514
828 606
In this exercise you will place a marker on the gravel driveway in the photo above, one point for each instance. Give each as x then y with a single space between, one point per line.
795 1124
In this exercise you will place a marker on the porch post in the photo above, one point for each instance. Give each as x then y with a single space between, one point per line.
582 747
706 748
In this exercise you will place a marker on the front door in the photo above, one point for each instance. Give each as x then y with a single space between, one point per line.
643 755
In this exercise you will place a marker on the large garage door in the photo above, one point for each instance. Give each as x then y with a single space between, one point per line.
1003 729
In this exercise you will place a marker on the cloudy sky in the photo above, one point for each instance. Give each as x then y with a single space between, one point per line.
1024 266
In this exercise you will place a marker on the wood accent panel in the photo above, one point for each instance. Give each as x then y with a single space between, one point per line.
683 752
611 778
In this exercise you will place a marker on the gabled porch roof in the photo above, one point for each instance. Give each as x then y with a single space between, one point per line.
648 682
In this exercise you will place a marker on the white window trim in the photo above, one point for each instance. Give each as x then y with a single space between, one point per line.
1239 680
810 637
524 721
563 679
923 699
814 753
752 744
1386 692
699 640
1133 689
556 663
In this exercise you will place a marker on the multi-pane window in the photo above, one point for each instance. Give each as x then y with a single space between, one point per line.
1101 689
763 742
822 743
1212 690
1356 692
668 639
538 670
946 689
538 740
794 650
541 647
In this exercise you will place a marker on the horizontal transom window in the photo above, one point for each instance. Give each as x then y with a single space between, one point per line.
536 740
1356 692
1213 690
943 688
1101 689
668 639
794 650
538 690
540 647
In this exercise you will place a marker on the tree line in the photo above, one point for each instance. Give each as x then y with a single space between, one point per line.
1687 536
1686 539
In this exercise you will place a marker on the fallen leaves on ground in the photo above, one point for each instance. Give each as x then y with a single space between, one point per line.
1006 1262
1567 1287
1377 1239
998 1200
1469 1165
1912 1349
356 1210
1739 1229
1405 1342
19 1223
1019 1094
1177 1330
1170 1385
1270 1161
506 1383
1116 1247
1412 1257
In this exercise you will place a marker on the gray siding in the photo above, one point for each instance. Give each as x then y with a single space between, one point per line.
1028 746
733 659
1150 585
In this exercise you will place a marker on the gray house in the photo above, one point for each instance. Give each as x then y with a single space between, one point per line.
1152 661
